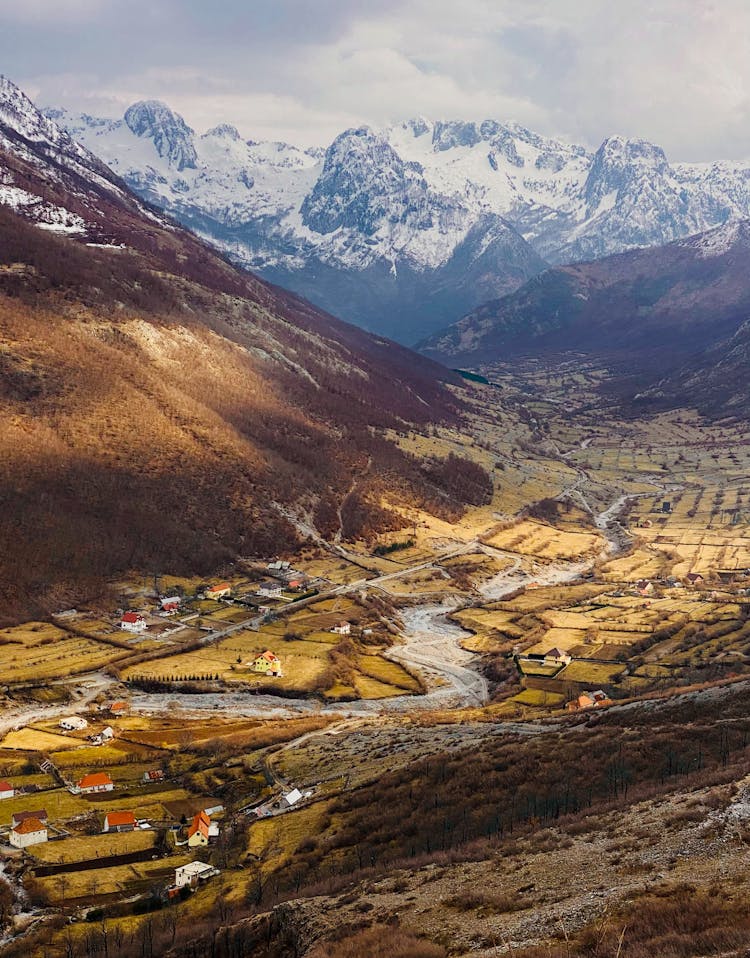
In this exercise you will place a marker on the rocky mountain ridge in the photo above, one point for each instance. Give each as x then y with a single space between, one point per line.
403 229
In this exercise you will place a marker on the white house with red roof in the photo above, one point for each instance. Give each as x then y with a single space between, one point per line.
96 782
119 822
6 790
133 622
28 832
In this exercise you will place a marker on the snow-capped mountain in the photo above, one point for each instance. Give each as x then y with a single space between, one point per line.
356 228
405 228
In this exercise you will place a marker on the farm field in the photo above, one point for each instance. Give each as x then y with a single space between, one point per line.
39 650
87 847
313 658
61 805
542 541
98 882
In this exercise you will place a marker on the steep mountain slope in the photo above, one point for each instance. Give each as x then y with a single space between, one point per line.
402 229
163 409
714 382
650 308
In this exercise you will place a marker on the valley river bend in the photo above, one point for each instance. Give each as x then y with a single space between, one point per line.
430 646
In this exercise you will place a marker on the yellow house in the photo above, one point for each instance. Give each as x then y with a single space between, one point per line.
267 663
198 831
220 591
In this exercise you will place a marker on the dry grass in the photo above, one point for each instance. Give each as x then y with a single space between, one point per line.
33 740
86 847
38 650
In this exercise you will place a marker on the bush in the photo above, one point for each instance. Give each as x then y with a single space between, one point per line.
380 941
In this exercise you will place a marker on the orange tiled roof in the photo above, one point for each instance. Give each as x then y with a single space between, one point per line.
29 825
201 823
114 819
94 779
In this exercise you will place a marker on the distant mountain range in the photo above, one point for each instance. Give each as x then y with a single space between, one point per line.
403 230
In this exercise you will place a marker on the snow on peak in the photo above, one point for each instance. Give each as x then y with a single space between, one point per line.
224 130
19 114
172 137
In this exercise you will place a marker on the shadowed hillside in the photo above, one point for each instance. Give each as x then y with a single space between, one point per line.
164 410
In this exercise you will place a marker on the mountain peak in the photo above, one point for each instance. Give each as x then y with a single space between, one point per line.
618 167
449 134
623 149
225 131
172 137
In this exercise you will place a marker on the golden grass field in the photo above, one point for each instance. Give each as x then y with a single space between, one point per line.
542 541
274 840
39 650
83 848
61 805
96 882
33 740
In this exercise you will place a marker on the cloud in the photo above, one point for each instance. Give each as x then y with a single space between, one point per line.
672 71
45 13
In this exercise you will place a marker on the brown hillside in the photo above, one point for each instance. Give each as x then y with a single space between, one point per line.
165 411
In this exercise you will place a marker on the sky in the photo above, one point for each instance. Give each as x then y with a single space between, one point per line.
676 72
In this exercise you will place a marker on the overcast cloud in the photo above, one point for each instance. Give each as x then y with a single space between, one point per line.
676 72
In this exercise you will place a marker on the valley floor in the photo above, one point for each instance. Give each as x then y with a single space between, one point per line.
612 561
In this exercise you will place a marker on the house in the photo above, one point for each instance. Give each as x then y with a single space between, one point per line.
644 586
220 591
267 663
28 832
291 798
170 603
153 775
270 589
133 622
198 832
343 628
297 582
6 790
192 873
694 578
557 657
39 815
589 700
106 735
95 782
118 708
73 723
119 822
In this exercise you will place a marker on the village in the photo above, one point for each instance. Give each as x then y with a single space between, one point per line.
160 747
